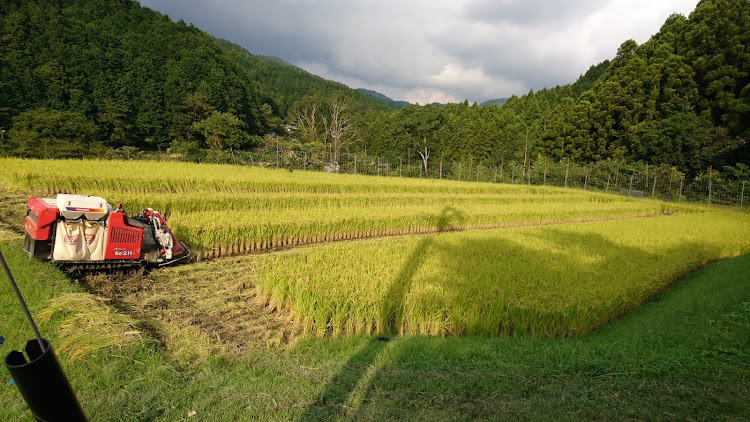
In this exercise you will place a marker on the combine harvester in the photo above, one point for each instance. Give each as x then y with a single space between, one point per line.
80 232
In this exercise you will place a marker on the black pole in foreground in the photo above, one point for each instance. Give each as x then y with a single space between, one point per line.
41 380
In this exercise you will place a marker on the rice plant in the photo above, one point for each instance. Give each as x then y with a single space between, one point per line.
560 280
221 210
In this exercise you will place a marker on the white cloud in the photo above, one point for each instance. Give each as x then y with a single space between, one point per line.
428 96
431 50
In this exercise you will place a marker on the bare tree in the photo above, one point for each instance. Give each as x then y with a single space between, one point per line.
308 114
423 149
320 120
340 124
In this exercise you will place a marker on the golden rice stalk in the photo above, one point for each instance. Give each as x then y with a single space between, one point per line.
89 325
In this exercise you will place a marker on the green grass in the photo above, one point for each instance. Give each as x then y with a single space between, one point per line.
684 355
138 368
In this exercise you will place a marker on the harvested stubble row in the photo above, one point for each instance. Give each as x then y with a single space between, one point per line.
223 210
559 280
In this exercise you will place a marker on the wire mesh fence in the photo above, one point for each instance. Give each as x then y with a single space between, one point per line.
658 182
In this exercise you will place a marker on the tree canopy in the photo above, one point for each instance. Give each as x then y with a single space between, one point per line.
129 71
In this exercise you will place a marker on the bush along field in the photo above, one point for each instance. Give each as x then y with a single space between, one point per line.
566 305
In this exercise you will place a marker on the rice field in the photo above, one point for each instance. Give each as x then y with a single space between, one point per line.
561 280
547 261
220 210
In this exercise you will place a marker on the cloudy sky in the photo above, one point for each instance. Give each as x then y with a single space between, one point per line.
433 50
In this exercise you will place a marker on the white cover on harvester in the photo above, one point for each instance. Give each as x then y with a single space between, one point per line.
94 234
73 207
70 243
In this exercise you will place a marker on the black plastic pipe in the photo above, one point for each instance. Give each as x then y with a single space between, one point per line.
41 379
43 384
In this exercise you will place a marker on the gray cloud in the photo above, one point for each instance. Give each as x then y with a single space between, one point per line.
530 12
424 50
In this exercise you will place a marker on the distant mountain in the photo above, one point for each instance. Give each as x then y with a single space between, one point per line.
380 97
497 101
281 83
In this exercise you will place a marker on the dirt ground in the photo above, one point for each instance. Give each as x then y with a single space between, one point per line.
198 309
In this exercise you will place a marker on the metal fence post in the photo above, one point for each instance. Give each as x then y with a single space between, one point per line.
585 180
742 195
710 177
608 177
671 176
528 173
631 185
653 188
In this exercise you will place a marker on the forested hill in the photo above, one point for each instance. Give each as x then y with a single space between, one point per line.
79 77
384 98
281 84
682 98
497 101
116 72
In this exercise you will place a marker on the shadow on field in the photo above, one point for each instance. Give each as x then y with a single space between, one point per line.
332 400
548 282
494 285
